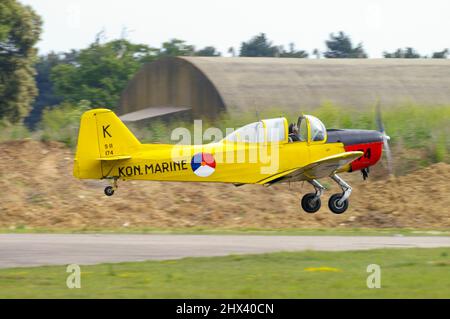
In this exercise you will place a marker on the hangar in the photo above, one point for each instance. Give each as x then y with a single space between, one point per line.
208 86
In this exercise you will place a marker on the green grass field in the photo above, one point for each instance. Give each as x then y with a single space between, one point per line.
405 273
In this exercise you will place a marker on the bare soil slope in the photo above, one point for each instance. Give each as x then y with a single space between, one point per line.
38 190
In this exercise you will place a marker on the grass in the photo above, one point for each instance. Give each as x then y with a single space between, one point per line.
12 132
22 229
405 273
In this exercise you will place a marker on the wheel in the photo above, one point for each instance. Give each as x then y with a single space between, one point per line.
309 205
109 191
334 206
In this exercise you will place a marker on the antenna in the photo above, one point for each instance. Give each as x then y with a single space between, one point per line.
256 111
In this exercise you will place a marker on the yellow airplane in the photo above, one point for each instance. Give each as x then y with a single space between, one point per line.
265 152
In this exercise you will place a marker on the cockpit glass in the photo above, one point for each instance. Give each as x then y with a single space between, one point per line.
303 129
276 129
272 130
318 130
251 133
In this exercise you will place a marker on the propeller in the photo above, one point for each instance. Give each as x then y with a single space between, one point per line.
386 139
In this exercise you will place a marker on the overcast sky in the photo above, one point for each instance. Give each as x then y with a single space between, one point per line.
382 25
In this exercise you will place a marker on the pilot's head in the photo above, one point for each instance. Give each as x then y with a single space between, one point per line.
293 129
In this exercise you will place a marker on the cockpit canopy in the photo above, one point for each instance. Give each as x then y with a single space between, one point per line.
272 130
310 129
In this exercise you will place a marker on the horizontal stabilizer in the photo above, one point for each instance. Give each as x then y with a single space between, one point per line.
151 112
114 158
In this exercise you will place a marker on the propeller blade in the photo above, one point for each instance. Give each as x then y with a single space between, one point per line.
379 119
386 138
387 151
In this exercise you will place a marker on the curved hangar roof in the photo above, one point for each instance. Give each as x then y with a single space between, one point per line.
209 85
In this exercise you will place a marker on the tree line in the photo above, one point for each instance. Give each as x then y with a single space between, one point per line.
100 72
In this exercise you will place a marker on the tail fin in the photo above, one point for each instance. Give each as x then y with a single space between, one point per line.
102 137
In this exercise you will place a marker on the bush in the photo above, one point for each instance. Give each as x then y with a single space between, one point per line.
12 132
61 123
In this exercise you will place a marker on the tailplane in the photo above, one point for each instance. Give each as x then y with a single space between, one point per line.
102 137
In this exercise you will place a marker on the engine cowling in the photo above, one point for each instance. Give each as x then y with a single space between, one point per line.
367 141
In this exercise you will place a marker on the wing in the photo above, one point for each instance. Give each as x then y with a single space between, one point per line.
322 168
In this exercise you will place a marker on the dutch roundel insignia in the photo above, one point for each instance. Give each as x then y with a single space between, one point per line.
203 164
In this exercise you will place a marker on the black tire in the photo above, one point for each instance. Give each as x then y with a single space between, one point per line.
334 205
309 205
109 191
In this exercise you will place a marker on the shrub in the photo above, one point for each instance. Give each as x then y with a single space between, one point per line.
62 123
12 132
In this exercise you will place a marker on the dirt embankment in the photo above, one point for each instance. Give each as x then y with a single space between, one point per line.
38 190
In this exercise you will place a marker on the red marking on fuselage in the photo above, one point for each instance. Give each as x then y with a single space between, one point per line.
372 154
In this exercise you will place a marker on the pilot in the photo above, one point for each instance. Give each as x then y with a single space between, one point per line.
293 133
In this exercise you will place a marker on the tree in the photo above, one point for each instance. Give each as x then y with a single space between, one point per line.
292 53
207 51
176 47
100 72
440 54
20 28
317 53
258 46
340 46
407 53
232 51
46 95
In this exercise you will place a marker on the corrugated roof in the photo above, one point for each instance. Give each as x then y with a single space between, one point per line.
246 83
210 85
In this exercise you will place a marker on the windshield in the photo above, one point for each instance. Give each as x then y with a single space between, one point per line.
318 130
303 130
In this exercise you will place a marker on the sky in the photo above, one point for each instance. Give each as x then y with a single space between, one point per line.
381 25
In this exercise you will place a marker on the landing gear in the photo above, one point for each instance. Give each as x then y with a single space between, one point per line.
311 202
338 203
365 173
109 190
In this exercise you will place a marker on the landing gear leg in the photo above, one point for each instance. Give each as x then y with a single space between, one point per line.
338 203
109 190
311 202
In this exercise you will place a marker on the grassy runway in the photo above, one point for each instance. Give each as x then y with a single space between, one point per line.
405 273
